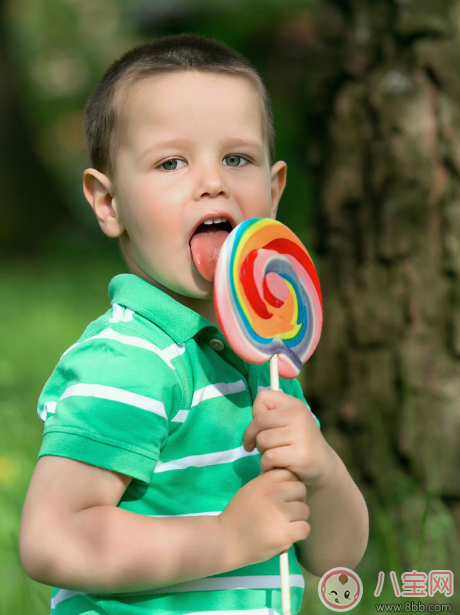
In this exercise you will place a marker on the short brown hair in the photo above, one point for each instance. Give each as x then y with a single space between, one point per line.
167 54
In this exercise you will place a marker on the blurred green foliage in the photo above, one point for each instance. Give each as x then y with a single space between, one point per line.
60 49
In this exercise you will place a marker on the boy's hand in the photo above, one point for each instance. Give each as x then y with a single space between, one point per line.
287 436
265 517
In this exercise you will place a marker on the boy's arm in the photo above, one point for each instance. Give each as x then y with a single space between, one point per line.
339 524
73 535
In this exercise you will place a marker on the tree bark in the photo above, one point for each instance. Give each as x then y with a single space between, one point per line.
381 93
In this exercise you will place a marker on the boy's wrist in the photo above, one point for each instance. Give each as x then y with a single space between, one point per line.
231 548
332 473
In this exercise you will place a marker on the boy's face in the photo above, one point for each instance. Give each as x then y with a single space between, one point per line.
191 149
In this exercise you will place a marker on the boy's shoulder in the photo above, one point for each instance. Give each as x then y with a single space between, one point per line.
118 350
122 345
119 321
126 322
121 333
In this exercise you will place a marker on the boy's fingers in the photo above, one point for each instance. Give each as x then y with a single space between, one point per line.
267 399
256 426
281 474
249 436
265 402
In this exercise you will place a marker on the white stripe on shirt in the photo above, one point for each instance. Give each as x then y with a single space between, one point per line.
265 581
214 513
217 390
263 611
168 353
49 407
125 397
270 581
120 314
180 417
210 391
64 594
207 459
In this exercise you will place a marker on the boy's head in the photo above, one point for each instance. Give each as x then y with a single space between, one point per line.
180 132
103 116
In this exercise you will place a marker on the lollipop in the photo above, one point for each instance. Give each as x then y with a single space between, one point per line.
267 295
268 302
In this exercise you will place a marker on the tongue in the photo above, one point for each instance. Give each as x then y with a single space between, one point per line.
206 245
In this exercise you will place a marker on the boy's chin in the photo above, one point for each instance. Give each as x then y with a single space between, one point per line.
203 288
198 288
195 287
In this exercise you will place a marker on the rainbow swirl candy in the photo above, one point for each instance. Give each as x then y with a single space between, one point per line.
267 295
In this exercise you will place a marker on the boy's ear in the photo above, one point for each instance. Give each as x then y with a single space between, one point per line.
98 190
278 178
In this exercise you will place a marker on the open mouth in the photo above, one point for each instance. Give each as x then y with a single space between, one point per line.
206 243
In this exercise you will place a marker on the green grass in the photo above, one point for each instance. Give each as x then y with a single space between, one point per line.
45 305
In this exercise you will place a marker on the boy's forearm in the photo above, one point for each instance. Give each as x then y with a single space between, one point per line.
339 524
108 550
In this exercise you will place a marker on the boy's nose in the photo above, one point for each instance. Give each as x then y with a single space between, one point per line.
210 182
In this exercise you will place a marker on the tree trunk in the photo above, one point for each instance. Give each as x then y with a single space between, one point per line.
382 108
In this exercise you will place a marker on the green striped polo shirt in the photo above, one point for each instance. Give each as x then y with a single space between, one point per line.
152 390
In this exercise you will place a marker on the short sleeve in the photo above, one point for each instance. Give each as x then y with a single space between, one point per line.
108 403
296 391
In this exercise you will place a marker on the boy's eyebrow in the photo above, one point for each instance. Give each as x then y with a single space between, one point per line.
236 142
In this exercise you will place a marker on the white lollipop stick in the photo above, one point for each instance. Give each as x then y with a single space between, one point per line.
284 558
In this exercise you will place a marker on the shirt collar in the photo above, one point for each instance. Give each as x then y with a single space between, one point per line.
179 322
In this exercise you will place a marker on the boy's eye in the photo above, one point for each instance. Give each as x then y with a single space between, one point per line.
234 160
171 164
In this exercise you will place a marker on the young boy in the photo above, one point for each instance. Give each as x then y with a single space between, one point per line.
169 479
